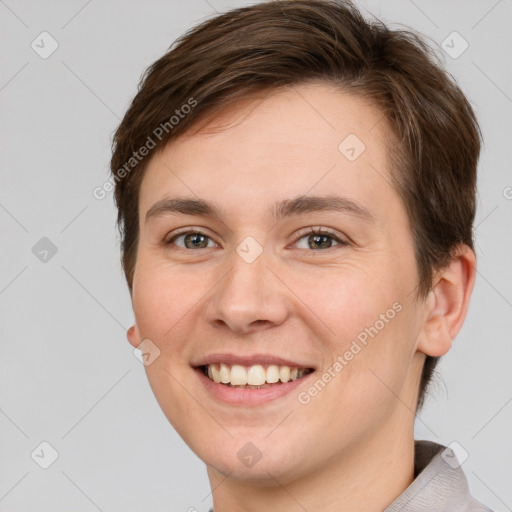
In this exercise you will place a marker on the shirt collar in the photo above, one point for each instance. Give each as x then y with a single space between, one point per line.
439 484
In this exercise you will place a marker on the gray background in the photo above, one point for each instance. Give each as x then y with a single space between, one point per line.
68 375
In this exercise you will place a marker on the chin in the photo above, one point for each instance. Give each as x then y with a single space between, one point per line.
263 473
257 463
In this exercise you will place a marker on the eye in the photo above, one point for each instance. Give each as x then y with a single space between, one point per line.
320 238
191 240
315 238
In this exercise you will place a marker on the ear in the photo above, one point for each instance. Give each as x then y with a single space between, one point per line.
133 335
447 303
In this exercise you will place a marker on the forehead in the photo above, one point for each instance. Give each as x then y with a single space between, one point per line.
287 143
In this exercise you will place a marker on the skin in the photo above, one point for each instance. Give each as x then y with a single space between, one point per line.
294 301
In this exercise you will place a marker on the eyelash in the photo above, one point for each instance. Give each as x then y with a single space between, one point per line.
311 231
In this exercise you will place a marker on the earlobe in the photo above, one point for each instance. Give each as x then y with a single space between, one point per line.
133 335
447 303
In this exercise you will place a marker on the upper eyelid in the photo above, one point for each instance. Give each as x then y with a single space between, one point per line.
186 231
317 229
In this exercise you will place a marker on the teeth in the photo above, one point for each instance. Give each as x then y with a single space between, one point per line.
273 374
255 375
215 373
224 374
238 376
284 373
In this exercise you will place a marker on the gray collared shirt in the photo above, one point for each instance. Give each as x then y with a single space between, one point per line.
439 485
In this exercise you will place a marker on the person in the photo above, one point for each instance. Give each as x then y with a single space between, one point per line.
295 187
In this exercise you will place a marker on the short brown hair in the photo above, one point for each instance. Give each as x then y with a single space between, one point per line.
262 47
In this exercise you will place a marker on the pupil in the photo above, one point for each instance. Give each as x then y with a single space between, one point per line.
318 238
195 239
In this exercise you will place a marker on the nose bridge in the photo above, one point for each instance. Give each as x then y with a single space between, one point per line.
249 295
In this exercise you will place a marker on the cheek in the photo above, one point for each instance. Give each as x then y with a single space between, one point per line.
366 320
345 299
162 297
370 358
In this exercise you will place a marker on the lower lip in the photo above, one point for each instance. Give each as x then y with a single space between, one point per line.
241 396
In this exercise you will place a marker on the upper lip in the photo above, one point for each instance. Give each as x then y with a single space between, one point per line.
248 360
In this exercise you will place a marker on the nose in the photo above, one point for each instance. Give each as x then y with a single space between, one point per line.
250 297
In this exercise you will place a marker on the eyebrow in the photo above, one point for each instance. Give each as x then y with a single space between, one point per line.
279 210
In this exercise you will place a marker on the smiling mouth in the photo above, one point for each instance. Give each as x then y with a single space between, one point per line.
252 377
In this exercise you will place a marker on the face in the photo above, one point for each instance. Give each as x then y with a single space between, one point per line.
312 301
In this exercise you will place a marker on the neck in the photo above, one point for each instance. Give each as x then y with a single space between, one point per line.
367 477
